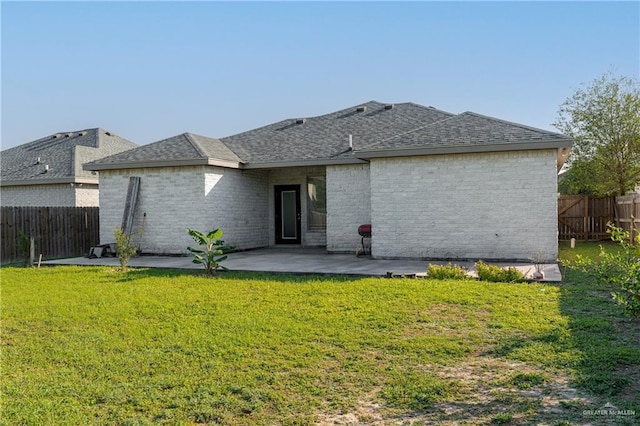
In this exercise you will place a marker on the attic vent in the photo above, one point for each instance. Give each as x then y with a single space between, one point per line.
431 107
388 106
56 136
68 135
82 133
361 108
109 134
301 120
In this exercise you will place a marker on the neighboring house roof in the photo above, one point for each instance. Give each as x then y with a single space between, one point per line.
58 158
375 130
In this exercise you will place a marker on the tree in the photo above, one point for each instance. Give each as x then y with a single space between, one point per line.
604 121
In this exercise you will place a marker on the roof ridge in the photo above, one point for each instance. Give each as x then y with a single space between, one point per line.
430 108
513 123
422 127
341 110
194 143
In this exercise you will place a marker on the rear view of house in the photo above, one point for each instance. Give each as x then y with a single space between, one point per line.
432 184
48 172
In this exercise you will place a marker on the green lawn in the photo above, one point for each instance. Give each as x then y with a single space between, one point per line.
95 346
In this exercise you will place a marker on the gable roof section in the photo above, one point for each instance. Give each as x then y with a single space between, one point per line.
181 150
466 132
58 158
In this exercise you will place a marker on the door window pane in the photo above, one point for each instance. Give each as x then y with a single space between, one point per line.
289 214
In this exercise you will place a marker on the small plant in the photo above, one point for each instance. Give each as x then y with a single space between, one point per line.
524 381
495 273
447 272
539 258
502 419
125 248
618 267
24 247
212 252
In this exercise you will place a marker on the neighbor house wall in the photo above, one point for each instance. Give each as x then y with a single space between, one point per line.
465 206
295 176
348 205
58 195
178 198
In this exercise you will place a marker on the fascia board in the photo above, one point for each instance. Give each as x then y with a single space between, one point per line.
463 149
54 181
163 163
303 163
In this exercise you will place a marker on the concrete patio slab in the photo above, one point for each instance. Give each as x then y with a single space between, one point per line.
302 261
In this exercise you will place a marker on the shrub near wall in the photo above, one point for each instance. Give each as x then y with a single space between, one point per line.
497 274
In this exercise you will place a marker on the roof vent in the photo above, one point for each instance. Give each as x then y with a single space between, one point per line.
388 106
109 134
301 120
82 133
68 135
362 108
56 136
46 168
431 107
38 160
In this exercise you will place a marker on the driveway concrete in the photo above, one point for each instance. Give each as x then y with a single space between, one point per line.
302 260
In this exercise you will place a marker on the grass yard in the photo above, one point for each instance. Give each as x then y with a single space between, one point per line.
95 346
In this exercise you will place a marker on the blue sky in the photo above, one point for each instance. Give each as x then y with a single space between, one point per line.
151 70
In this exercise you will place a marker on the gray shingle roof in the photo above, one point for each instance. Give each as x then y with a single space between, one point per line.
375 127
63 153
467 129
327 136
185 146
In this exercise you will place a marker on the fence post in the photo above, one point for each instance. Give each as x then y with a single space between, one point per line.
32 251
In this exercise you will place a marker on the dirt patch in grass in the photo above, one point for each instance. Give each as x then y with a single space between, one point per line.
493 391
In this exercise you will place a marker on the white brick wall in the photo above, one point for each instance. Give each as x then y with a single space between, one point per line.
348 205
237 202
59 195
177 198
295 176
488 206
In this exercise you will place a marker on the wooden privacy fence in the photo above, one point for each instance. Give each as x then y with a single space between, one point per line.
628 209
585 218
57 231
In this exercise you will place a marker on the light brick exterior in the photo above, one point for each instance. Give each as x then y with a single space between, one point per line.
177 198
58 195
466 206
348 206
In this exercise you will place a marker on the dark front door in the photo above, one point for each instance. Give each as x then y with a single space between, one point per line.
288 218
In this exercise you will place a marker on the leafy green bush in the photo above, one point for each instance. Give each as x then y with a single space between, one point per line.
619 267
447 272
125 248
497 274
212 252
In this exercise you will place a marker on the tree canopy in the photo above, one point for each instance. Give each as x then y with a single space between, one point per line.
604 121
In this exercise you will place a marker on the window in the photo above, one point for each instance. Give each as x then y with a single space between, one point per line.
316 203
